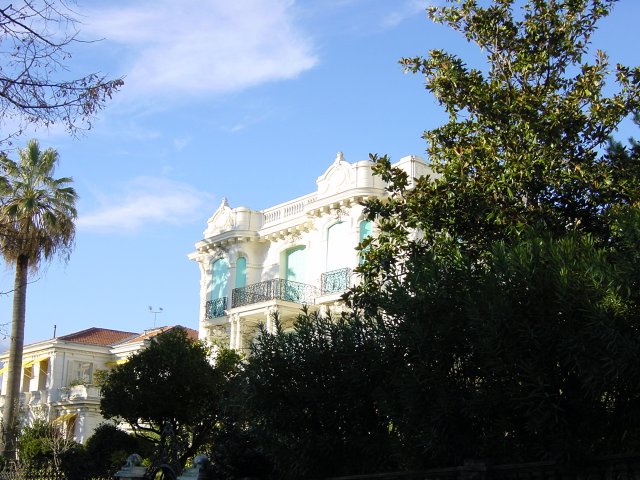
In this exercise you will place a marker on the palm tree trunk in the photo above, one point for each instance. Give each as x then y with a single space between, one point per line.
14 372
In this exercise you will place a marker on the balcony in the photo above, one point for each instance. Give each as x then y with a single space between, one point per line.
276 289
29 399
216 308
75 394
80 393
335 281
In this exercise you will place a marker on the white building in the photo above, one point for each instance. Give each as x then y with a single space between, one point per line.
58 376
254 263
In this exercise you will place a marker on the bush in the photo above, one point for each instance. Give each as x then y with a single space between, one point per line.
43 446
109 447
34 447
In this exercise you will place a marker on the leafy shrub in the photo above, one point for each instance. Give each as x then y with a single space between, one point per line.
34 447
109 447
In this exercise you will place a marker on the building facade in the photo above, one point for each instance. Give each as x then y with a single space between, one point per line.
58 376
301 252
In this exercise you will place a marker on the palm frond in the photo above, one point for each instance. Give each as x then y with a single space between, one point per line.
37 210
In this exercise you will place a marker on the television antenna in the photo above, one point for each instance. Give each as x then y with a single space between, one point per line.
155 314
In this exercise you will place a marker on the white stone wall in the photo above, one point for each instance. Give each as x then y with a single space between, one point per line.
264 237
47 395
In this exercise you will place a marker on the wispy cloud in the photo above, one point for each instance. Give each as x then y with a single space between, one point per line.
144 201
203 47
405 10
243 123
180 143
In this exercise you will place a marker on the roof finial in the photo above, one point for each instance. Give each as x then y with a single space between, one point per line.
339 157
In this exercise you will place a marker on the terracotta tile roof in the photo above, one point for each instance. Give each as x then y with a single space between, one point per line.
97 336
192 334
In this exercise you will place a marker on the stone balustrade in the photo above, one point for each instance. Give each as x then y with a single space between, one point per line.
288 210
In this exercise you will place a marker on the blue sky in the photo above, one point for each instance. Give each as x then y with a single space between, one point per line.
248 99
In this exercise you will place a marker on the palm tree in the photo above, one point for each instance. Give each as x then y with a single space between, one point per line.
37 214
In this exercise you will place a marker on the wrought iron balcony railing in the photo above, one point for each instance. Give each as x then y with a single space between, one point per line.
276 289
215 308
335 281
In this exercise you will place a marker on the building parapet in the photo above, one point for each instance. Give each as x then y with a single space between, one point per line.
287 210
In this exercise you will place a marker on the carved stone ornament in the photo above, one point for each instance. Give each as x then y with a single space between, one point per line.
337 178
215 253
219 331
293 237
221 221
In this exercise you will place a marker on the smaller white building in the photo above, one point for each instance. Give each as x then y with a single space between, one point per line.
254 263
58 376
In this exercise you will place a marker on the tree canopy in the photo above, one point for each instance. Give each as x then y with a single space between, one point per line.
509 277
525 142
319 392
171 382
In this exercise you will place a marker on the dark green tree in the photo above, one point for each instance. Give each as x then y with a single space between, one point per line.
319 392
531 355
526 136
509 277
627 160
171 382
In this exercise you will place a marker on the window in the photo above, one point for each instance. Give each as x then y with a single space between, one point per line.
294 264
81 373
340 247
366 230
220 275
43 374
66 424
27 375
241 272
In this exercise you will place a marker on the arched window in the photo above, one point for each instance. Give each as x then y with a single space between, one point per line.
366 230
219 277
339 247
294 267
294 261
241 272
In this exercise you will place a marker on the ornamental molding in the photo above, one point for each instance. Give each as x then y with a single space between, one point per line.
338 178
219 331
221 221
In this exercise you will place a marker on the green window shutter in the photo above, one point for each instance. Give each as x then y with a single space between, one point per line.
220 275
241 272
294 264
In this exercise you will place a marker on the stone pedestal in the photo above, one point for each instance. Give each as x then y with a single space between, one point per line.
198 471
132 468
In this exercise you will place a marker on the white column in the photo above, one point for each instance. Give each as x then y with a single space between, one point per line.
267 321
238 333
234 331
269 315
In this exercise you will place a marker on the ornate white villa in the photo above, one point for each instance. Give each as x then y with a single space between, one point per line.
301 252
58 376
